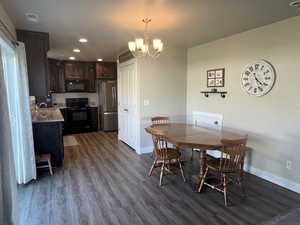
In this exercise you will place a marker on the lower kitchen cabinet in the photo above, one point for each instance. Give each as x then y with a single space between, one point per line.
48 138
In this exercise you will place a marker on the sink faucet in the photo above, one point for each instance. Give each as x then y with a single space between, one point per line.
43 104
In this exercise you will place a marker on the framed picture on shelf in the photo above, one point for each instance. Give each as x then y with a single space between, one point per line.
216 78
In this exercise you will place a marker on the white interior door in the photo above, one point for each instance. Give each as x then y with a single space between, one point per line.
127 97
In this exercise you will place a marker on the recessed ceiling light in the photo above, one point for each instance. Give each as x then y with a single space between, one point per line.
72 58
76 50
83 40
99 60
32 17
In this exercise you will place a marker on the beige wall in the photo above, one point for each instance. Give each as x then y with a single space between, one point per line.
272 121
163 83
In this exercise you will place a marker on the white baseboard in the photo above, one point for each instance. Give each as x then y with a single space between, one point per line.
291 185
144 150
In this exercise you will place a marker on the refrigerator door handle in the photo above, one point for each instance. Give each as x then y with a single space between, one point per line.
114 96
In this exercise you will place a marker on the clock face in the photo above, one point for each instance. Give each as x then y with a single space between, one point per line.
258 78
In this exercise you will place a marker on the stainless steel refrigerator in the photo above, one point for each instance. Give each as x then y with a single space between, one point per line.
108 105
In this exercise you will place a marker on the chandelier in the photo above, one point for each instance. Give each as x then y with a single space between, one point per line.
146 46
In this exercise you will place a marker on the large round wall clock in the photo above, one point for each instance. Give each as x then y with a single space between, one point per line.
258 78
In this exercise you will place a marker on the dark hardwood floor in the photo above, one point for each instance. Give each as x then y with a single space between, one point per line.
103 181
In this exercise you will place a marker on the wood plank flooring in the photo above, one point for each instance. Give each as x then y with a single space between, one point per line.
103 182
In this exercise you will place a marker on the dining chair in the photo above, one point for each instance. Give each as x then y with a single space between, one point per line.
160 120
228 168
164 156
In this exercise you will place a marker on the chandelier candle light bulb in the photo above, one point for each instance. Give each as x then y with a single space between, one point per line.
139 42
156 44
131 46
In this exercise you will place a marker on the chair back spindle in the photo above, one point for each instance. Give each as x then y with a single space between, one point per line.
232 155
159 142
160 120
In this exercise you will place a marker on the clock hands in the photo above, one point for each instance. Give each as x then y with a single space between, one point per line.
257 80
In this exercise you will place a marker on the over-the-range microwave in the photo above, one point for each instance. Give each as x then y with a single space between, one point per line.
76 85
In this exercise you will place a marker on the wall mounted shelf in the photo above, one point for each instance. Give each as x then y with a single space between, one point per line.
207 93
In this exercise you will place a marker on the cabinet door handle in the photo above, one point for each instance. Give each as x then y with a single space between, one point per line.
126 110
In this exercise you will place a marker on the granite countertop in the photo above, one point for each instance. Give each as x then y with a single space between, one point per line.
46 115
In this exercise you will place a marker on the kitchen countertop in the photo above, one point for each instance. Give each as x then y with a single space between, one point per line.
63 106
46 115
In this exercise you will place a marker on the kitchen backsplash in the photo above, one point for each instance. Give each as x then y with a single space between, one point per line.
61 98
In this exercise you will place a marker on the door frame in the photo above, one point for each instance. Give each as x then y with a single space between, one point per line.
137 81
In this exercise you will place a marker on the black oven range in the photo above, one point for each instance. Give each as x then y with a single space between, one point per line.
80 117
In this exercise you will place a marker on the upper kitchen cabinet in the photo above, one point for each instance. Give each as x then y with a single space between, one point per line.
36 46
74 70
90 76
106 70
56 76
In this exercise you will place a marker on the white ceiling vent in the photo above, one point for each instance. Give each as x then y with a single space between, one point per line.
32 17
295 4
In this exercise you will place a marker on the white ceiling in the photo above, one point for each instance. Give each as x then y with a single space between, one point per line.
110 24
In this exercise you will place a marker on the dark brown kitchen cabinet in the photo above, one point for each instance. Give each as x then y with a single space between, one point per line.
48 138
106 70
36 46
74 70
56 76
90 76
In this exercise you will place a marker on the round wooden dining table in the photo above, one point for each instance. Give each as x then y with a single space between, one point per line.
188 136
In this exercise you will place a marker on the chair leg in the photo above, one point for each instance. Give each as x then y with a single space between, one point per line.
242 187
50 167
225 188
152 167
202 180
181 169
161 173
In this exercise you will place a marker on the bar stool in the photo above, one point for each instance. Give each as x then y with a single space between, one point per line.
44 161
